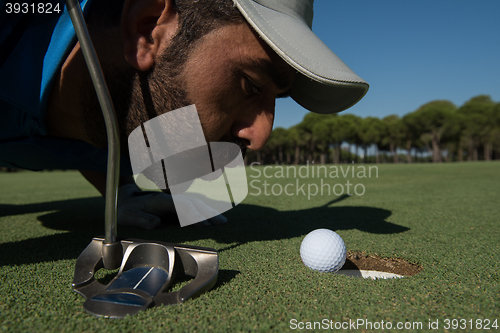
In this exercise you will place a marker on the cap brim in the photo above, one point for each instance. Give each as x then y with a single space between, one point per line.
324 83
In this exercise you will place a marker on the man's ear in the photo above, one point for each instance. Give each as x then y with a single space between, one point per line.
147 26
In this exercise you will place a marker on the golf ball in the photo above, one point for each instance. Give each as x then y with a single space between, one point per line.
323 250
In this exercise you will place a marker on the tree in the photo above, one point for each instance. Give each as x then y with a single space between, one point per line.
496 131
479 125
437 128
349 126
336 127
370 132
450 140
410 133
296 137
278 142
322 132
433 119
307 126
392 134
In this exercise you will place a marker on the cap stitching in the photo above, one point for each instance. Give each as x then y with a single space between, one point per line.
329 67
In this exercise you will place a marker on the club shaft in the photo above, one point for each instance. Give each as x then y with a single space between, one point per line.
113 168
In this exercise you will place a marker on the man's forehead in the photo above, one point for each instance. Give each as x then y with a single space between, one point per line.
243 49
269 60
263 59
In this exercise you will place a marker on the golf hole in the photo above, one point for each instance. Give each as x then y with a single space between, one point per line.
371 266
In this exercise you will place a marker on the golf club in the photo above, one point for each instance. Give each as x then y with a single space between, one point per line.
147 268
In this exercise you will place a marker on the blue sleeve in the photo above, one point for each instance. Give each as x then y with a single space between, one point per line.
33 60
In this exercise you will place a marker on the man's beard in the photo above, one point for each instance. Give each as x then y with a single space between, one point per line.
137 97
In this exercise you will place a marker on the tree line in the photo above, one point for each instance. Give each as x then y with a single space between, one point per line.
438 131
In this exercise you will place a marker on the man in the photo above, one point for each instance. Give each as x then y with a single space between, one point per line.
231 59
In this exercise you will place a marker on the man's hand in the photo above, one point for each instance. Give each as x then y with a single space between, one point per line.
144 209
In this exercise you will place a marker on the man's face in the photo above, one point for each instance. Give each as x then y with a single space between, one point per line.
234 78
231 76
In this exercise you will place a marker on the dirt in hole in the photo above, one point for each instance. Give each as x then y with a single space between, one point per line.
369 262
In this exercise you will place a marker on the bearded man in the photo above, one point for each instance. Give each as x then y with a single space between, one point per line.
230 58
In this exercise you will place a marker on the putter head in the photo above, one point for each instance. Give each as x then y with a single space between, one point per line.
147 270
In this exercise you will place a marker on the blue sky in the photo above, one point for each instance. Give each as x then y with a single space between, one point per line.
410 52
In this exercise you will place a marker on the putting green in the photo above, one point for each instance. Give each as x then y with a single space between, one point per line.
443 217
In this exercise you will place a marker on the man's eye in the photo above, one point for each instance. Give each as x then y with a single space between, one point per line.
250 88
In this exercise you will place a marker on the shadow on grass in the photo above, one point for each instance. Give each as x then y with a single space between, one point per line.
79 220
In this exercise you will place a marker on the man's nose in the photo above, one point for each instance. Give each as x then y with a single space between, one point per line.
255 127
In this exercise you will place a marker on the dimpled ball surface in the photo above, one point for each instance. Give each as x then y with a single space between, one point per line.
323 250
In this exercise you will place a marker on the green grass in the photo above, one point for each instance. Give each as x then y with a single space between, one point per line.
444 217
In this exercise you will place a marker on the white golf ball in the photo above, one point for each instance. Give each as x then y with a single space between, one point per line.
323 250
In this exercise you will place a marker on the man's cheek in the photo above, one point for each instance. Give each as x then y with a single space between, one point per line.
218 115
213 124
